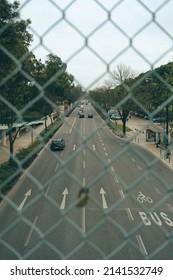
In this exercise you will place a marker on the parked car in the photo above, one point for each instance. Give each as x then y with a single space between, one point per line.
90 115
115 117
57 144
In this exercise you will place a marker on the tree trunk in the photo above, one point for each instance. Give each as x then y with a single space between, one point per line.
11 142
124 128
45 123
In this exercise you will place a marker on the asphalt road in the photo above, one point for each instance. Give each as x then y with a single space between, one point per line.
128 214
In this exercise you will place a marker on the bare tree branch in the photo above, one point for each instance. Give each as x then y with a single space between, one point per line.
119 75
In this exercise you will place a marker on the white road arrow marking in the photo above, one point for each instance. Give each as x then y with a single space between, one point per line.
65 193
24 200
102 192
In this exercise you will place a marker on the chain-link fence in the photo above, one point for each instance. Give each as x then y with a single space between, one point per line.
104 195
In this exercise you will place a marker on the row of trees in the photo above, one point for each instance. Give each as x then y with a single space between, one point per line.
148 93
28 87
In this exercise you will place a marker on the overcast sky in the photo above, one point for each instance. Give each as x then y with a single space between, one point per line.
90 35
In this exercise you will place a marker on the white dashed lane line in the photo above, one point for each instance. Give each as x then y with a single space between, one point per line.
56 168
129 214
139 167
133 160
121 193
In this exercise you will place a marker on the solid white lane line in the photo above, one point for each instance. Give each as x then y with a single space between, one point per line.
83 220
141 245
83 210
30 232
129 214
72 125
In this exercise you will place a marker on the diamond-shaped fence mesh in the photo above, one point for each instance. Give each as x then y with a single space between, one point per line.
106 191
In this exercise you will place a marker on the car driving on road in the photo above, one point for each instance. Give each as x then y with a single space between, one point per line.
57 144
90 115
81 115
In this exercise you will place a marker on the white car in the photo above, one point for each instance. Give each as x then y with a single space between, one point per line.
115 117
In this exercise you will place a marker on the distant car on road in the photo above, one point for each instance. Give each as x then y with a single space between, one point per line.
81 115
57 144
90 115
80 111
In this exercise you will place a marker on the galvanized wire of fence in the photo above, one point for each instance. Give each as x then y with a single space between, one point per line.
107 9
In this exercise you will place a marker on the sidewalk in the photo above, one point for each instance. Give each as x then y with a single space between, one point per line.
138 136
25 139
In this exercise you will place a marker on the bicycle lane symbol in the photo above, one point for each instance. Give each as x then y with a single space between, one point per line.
143 198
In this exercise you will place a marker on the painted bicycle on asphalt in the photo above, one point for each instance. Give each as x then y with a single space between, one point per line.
142 198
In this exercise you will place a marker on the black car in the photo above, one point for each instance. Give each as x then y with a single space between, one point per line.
57 144
90 115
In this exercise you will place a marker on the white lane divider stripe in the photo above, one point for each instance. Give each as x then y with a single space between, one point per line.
141 244
48 190
121 193
30 232
139 167
83 220
129 214
56 167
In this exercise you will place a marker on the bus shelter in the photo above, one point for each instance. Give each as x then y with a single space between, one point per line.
154 134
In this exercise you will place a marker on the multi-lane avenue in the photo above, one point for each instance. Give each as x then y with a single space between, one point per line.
126 212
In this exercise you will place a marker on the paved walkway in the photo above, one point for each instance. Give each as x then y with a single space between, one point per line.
25 139
137 135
